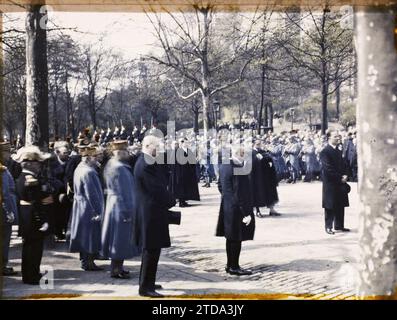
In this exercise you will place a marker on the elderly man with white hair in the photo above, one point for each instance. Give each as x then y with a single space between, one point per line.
62 204
152 203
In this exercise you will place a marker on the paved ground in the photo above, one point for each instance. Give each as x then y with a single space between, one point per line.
291 255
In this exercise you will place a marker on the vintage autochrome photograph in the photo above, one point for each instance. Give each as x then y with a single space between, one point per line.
198 150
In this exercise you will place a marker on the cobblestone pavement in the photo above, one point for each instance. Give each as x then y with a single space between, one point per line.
291 255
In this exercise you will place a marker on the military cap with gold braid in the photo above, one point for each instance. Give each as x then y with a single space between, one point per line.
88 151
5 146
119 145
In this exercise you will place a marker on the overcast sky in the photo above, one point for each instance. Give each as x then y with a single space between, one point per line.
129 33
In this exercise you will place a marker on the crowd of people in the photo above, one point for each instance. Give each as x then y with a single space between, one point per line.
110 193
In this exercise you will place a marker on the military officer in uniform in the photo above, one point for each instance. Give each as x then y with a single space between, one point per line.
87 212
117 229
33 219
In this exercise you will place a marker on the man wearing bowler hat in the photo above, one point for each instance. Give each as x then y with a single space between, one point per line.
335 187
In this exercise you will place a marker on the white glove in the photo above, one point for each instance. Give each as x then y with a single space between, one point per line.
61 197
247 220
68 190
44 227
259 156
96 218
10 217
270 164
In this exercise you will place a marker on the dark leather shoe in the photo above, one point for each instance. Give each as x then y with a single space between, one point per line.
94 267
32 282
150 294
274 214
158 287
8 271
125 271
239 272
120 275
259 215
329 231
342 230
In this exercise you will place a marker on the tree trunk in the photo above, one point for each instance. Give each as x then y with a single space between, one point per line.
196 121
324 106
377 152
55 112
270 106
205 73
36 79
262 100
1 138
337 96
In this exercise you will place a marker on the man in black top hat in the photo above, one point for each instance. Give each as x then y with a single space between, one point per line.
335 188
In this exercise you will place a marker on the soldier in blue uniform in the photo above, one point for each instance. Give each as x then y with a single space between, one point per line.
117 230
87 213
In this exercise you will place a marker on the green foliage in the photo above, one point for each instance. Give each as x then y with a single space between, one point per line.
348 115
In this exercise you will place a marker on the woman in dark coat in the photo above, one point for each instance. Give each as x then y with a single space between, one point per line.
236 220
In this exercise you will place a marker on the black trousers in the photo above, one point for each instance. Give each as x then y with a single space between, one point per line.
116 266
32 252
147 277
335 218
61 218
233 249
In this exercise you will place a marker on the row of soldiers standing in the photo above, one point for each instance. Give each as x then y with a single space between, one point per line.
102 191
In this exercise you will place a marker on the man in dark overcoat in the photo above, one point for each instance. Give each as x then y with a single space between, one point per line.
236 221
62 204
152 203
183 175
264 180
335 188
